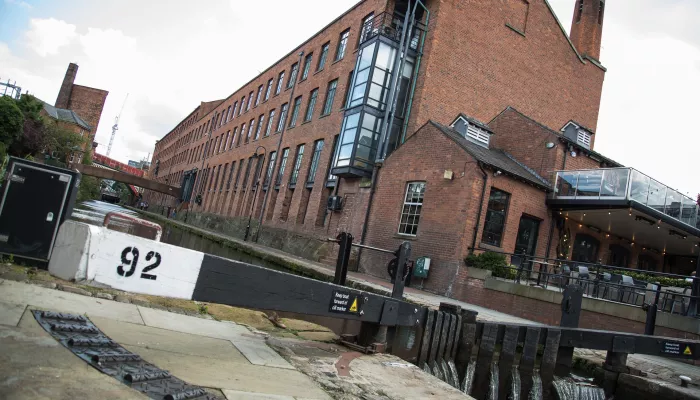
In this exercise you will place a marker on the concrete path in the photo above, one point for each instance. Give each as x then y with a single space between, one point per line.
220 355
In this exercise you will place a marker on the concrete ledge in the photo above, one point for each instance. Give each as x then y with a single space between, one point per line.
605 307
478 273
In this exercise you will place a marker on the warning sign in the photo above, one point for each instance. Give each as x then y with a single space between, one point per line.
687 351
671 348
345 303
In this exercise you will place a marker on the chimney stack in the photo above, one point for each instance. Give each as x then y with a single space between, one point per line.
587 27
67 86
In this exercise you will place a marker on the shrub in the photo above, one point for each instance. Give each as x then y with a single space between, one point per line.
494 262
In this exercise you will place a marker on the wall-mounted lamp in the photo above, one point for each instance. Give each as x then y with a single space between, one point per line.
573 153
647 220
448 175
550 145
497 173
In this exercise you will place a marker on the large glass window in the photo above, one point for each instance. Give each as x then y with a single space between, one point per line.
297 165
313 167
585 249
307 66
366 149
412 206
270 168
367 23
342 45
495 217
238 174
268 91
362 72
280 82
233 137
283 117
347 140
295 112
270 121
230 176
283 165
293 75
250 130
250 101
324 55
259 96
235 107
312 104
240 111
260 125
330 96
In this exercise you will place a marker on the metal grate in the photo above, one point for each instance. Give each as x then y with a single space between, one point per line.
86 341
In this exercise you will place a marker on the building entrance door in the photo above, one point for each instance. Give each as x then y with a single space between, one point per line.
526 241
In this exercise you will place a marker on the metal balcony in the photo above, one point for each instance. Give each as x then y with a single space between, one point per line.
391 25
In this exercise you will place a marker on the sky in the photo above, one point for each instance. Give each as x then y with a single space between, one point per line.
170 55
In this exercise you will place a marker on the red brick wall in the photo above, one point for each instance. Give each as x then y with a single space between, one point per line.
475 64
587 30
450 207
88 103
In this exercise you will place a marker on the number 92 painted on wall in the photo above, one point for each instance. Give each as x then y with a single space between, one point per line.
130 259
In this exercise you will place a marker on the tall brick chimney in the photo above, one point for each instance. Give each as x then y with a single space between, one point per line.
587 27
67 86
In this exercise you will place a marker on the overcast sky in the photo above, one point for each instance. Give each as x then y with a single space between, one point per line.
169 55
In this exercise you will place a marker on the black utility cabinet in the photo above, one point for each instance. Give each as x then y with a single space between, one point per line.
36 199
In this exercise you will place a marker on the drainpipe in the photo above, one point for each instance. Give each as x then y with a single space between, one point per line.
375 178
415 73
481 206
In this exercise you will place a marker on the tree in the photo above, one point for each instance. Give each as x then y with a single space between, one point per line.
89 185
11 124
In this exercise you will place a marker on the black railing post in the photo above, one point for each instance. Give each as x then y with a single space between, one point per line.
399 281
341 266
570 315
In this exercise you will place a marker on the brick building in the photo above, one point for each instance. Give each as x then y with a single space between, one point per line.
465 61
85 101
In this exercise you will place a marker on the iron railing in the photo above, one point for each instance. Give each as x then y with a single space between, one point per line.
605 282
390 25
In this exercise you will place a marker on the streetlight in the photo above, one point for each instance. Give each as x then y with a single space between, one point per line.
258 168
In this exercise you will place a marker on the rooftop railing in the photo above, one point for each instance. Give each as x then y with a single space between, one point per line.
626 184
391 25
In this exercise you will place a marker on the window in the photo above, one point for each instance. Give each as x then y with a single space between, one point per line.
601 10
332 179
583 138
228 114
270 120
324 56
295 112
238 175
223 175
215 181
250 101
367 23
242 134
580 11
412 205
313 167
346 96
280 81
283 116
257 98
283 164
342 45
297 165
293 75
250 130
242 106
247 172
495 217
233 137
270 168
330 96
312 103
585 249
269 89
307 66
260 124
230 176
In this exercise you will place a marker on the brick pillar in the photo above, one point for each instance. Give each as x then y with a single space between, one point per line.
67 86
587 27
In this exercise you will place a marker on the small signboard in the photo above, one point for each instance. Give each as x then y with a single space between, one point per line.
422 267
676 349
345 303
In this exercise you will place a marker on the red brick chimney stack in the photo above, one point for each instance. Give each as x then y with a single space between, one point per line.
67 86
587 27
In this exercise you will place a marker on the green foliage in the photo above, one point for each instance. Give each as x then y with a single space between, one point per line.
60 140
494 262
662 280
11 123
89 185
31 107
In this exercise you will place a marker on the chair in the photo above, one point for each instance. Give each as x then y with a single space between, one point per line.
562 278
673 298
605 285
517 261
583 277
633 289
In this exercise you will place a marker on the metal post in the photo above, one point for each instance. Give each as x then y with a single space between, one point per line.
341 266
570 315
256 235
693 304
256 179
651 320
399 282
